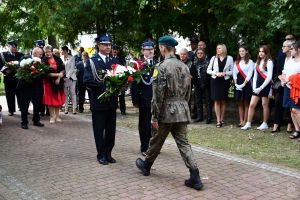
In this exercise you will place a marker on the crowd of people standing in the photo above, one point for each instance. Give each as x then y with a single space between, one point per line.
47 94
253 82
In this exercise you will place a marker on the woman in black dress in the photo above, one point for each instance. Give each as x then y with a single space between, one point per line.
242 75
261 87
220 69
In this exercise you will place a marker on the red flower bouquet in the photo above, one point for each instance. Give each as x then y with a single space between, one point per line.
120 77
32 68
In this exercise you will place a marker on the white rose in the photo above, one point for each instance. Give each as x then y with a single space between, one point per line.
29 61
36 59
16 62
131 69
22 63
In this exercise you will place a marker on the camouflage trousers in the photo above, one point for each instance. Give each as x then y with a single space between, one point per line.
179 132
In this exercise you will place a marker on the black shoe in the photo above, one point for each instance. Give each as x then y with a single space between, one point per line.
42 114
102 161
194 181
144 166
24 126
208 121
111 159
276 130
38 124
123 113
295 135
10 114
80 110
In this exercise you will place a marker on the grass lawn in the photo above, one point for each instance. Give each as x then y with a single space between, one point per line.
1 85
254 144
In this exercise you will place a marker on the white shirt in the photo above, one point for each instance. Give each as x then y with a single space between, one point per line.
103 56
246 68
268 73
290 68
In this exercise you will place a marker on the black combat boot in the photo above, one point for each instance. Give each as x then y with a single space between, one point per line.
144 166
194 181
199 116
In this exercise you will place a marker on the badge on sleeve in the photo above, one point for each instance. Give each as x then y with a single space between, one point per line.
155 73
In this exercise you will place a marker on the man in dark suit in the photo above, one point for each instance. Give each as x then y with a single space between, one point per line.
115 53
103 112
141 94
31 91
10 81
81 86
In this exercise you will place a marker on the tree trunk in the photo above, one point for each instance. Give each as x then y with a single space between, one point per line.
52 41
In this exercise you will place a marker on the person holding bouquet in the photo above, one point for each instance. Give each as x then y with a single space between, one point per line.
103 112
54 96
141 94
31 91
10 81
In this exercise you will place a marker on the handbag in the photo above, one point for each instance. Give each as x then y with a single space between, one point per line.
276 84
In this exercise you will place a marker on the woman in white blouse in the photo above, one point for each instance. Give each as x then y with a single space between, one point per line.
220 69
261 87
242 75
292 67
70 79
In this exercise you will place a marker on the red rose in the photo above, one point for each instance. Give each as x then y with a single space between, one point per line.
114 66
130 79
32 72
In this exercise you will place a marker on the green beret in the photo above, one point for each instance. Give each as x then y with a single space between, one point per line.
167 41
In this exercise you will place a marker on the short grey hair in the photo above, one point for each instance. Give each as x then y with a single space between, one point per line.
48 47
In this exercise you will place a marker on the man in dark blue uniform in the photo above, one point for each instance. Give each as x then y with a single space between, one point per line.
115 53
141 94
194 43
31 91
103 112
10 81
81 86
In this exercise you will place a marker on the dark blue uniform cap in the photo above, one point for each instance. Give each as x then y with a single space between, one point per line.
148 44
167 41
40 43
12 43
194 40
103 39
114 46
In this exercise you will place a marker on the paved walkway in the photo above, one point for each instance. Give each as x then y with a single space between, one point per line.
59 162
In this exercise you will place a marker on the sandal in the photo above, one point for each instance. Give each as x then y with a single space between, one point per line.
219 125
222 122
295 135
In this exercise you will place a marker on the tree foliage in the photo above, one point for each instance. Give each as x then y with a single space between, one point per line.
231 22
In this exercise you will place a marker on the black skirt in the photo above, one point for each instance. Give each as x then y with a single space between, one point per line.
288 102
246 93
264 92
219 88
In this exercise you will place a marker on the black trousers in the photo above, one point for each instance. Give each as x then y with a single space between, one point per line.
31 92
81 96
10 86
104 127
144 127
122 102
280 110
200 95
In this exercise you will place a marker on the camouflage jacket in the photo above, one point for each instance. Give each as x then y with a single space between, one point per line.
171 91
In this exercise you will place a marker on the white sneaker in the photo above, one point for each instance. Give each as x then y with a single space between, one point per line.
247 126
263 126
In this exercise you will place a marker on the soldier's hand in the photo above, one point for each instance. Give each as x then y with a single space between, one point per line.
154 124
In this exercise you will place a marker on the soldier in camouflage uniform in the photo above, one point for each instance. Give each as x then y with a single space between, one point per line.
170 111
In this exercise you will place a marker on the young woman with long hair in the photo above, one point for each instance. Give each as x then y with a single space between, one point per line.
242 75
261 87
